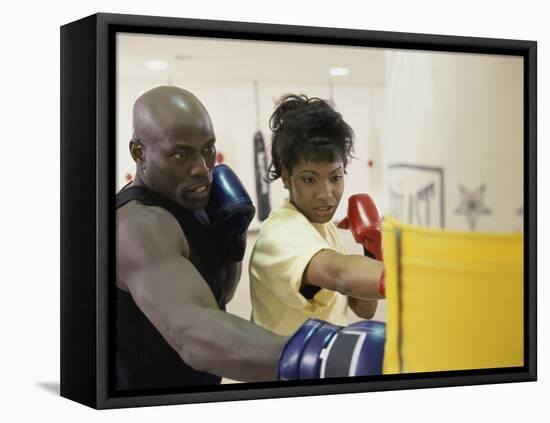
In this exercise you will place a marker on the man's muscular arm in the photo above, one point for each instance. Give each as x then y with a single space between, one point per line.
152 264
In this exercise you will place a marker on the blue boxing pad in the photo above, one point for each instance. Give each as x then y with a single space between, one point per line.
356 350
230 210
321 350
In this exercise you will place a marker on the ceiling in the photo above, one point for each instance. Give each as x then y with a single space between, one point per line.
236 61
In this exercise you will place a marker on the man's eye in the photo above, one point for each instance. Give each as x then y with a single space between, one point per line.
179 156
307 180
210 149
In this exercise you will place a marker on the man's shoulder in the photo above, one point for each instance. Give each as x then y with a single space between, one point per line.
136 219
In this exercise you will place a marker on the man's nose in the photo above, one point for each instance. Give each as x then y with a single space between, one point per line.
199 167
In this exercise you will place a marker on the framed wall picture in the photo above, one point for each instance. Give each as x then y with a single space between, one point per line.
257 211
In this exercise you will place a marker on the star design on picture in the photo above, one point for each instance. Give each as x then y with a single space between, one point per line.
472 205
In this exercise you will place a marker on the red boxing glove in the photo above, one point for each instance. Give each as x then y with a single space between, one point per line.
365 222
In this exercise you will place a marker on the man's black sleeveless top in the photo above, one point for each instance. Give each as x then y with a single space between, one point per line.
144 360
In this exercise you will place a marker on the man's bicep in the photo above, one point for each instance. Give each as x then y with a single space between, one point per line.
169 283
151 264
171 294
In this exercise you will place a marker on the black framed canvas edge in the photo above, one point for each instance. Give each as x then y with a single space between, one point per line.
87 201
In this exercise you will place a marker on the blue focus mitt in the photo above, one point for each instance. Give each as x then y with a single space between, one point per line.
321 350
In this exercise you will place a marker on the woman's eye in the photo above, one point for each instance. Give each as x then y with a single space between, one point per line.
337 178
307 180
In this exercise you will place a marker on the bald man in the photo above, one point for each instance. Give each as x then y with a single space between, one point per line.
173 277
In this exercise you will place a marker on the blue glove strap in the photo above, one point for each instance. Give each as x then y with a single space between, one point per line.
310 363
289 361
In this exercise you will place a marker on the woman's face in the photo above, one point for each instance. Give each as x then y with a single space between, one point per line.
315 188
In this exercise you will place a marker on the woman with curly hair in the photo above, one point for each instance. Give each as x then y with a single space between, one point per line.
299 268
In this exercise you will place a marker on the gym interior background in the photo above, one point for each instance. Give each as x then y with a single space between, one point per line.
439 136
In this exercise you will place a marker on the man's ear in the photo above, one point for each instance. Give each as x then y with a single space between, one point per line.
137 151
285 176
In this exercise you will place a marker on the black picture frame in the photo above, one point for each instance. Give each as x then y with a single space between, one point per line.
87 204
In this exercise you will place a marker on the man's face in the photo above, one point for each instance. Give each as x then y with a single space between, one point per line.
315 188
179 165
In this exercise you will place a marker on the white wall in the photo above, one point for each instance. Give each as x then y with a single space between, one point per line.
462 113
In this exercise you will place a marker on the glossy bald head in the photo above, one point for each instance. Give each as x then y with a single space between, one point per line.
163 109
173 145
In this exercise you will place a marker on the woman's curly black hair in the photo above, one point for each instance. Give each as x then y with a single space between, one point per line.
309 129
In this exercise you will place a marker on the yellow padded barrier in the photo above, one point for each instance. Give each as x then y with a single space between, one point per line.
454 299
